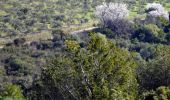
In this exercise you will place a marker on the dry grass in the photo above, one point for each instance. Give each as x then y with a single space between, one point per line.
72 28
45 35
38 36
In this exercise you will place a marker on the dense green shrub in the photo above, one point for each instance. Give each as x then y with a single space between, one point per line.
103 71
58 34
11 92
19 41
161 93
82 66
19 67
156 72
149 33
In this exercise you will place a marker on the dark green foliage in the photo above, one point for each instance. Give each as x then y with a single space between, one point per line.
19 67
133 63
58 35
108 32
168 38
155 73
19 41
149 33
100 72
148 52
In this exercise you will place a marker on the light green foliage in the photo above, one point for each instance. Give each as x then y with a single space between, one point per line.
161 93
153 29
103 71
72 45
11 92
163 21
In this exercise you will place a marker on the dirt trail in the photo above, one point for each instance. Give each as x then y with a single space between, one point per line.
72 33
83 30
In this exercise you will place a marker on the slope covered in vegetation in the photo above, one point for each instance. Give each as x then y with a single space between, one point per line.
84 50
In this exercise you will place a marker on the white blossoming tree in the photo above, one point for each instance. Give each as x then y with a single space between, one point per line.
111 12
112 15
156 10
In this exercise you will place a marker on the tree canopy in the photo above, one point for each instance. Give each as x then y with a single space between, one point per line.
103 71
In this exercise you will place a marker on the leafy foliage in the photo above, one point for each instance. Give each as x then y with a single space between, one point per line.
161 93
11 92
156 72
100 72
130 63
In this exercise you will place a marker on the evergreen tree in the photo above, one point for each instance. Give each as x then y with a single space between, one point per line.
99 71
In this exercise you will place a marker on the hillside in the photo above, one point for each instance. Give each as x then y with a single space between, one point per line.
84 49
